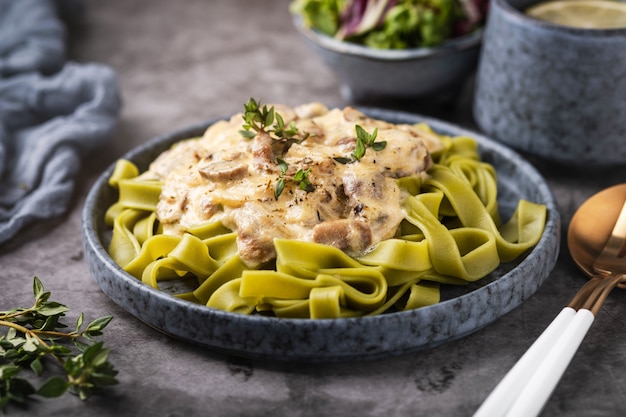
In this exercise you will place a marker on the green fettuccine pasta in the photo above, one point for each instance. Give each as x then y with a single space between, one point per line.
451 234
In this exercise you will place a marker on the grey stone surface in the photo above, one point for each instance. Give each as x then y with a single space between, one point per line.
184 62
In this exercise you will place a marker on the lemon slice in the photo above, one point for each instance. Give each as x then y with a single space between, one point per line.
587 14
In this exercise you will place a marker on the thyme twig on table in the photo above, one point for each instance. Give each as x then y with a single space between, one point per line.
34 339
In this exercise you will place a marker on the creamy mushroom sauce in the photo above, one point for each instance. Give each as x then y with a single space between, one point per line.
228 178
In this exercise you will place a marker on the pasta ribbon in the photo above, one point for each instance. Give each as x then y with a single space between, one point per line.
230 270
124 244
123 170
311 280
361 289
524 229
139 195
467 253
227 298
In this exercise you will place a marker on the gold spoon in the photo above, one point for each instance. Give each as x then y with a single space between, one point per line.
597 242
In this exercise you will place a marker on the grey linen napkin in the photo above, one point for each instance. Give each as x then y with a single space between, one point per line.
52 114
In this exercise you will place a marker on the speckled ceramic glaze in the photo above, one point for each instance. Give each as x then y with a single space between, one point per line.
553 91
463 311
366 74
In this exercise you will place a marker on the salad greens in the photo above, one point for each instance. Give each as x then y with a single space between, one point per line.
392 24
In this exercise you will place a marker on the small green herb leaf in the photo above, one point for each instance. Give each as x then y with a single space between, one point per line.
37 288
379 146
52 308
36 366
359 150
247 134
53 387
280 187
343 160
79 322
9 371
99 324
282 165
269 115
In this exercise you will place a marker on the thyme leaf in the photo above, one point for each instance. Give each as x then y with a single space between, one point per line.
280 183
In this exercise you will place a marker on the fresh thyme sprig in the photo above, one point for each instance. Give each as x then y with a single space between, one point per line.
364 140
261 119
32 340
288 132
256 118
301 178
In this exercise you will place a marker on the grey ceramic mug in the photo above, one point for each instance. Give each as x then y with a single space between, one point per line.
552 91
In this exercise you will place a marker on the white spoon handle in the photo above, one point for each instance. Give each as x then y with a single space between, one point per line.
540 386
501 398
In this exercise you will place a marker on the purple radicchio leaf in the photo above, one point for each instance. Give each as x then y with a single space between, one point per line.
360 16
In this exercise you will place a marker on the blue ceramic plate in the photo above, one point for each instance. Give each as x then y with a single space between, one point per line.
462 311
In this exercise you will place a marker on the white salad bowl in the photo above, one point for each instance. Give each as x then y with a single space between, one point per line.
463 310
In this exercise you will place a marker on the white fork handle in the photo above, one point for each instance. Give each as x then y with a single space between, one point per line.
505 393
540 386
